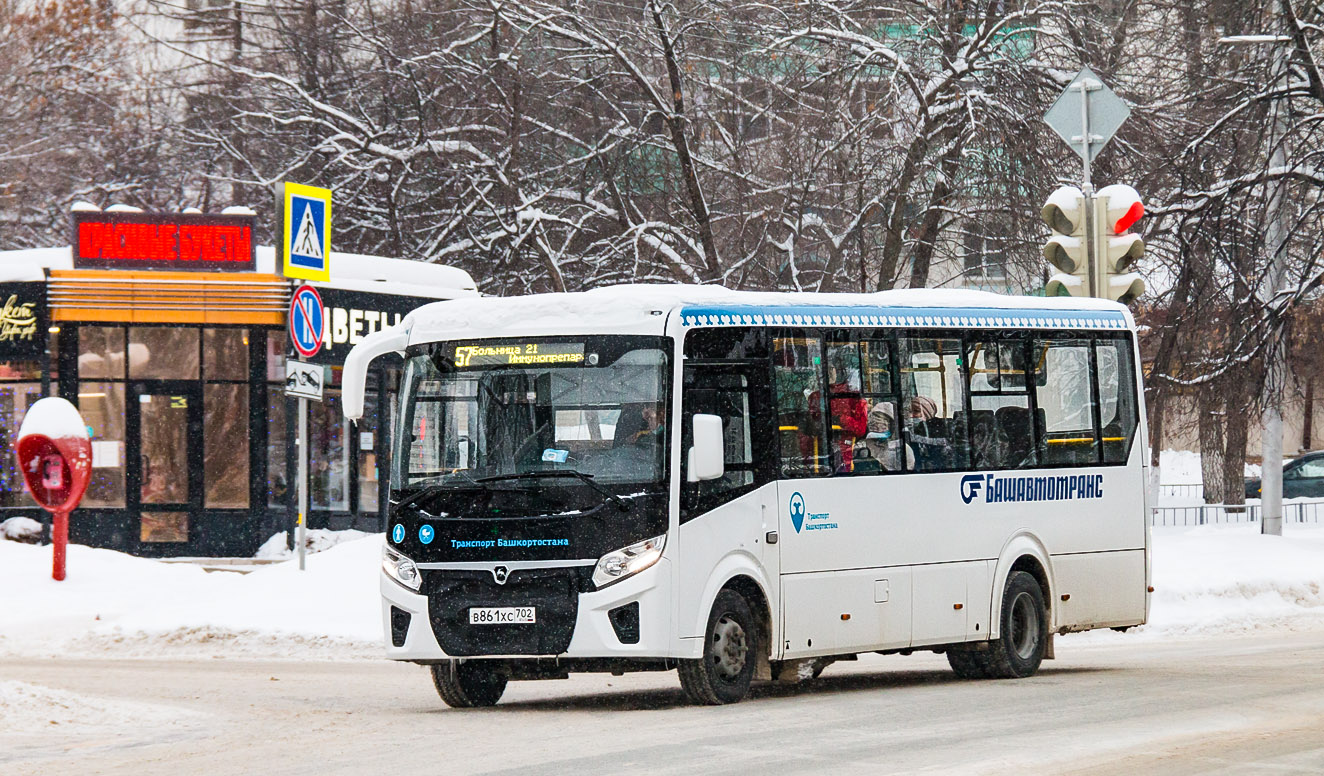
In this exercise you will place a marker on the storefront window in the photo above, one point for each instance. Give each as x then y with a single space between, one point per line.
276 343
20 370
277 488
101 352
225 445
15 398
102 407
368 472
225 354
328 464
163 353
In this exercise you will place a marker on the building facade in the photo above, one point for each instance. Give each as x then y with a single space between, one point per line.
178 367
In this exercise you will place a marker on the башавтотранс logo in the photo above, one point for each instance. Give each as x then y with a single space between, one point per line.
1016 489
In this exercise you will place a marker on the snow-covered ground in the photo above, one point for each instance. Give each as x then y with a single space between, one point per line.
1182 467
1210 581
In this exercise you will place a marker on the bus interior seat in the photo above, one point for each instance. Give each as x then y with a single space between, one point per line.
1014 424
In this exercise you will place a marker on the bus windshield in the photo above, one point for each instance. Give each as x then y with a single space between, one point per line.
556 412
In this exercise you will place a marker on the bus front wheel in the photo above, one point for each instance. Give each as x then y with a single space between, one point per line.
730 651
468 685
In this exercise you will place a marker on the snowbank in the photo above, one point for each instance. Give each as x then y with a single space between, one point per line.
128 606
315 540
27 708
20 529
1210 581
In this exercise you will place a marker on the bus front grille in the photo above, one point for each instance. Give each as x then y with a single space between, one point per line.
554 593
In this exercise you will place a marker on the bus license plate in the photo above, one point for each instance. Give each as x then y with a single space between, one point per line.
502 615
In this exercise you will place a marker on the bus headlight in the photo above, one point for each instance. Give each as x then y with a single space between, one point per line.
628 561
400 568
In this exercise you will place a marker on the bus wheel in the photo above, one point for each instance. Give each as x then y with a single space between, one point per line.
468 685
968 664
1020 650
730 652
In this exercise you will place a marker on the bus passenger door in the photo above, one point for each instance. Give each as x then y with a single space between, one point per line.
730 521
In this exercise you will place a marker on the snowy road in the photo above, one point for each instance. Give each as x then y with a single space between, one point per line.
1245 705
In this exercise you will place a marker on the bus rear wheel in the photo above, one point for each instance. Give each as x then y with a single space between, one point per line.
468 685
1024 628
730 652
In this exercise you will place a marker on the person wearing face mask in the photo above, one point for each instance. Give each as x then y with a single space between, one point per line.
931 450
882 442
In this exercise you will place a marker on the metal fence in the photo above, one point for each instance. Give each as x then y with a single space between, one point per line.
1195 490
1212 514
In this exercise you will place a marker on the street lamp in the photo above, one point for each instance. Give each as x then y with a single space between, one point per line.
1275 360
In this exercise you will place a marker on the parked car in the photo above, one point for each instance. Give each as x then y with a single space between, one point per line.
1302 478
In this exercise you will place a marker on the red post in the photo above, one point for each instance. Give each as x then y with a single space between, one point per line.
60 541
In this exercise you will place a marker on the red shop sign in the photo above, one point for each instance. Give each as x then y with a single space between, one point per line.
168 241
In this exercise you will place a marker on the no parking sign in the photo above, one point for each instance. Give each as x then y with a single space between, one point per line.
306 318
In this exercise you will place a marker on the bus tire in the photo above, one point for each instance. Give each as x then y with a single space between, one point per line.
1024 632
467 685
968 664
730 653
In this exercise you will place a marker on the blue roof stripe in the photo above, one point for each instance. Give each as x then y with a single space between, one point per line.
884 317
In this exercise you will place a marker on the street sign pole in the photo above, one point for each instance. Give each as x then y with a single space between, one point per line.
301 528
1099 113
1085 86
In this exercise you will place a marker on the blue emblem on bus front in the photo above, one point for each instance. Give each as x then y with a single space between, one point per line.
797 510
398 533
426 534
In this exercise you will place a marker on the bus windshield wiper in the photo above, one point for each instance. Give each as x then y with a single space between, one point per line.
587 479
433 488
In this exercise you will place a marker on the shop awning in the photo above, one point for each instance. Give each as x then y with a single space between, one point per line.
168 297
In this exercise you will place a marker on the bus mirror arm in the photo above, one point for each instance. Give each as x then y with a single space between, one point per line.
355 375
706 456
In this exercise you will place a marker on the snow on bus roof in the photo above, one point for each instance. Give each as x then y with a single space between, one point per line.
640 308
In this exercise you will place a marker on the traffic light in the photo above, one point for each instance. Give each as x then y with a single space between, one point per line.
1116 209
1119 207
1064 212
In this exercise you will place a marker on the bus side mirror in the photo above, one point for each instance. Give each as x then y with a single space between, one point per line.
707 456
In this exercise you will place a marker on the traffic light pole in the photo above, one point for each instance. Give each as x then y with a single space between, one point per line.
1086 139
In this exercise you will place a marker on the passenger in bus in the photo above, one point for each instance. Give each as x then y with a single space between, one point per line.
849 415
881 450
931 447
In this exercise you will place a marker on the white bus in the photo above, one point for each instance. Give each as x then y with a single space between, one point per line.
956 472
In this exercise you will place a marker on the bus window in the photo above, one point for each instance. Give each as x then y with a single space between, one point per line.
879 450
1064 397
1117 398
847 409
797 362
724 392
1001 428
932 387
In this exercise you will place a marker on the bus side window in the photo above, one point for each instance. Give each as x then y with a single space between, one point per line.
847 410
797 364
726 393
1117 397
1063 393
933 400
1001 431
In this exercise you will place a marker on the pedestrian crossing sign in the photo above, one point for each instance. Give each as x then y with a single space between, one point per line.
306 231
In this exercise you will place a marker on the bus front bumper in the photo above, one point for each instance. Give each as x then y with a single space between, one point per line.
629 619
